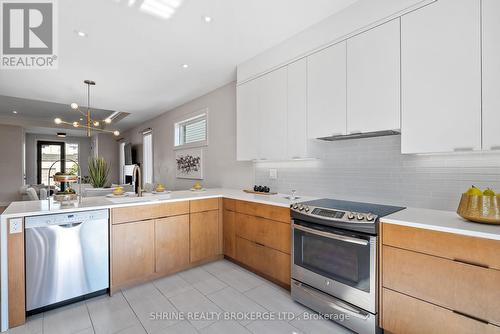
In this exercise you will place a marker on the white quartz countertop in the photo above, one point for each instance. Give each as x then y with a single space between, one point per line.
443 221
42 207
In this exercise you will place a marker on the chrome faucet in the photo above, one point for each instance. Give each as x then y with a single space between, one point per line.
137 179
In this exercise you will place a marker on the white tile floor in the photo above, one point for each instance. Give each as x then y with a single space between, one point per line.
217 289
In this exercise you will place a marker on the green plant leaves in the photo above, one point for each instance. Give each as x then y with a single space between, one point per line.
98 172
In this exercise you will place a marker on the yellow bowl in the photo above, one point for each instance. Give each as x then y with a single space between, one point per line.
160 189
480 209
118 191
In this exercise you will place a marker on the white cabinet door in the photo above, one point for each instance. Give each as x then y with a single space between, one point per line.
326 92
441 77
247 121
373 79
273 115
491 74
297 110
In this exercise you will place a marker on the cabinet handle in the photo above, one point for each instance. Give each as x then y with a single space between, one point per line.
463 149
258 243
471 317
470 263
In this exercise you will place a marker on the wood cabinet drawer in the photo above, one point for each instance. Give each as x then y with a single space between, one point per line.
204 205
229 204
406 315
461 287
148 211
263 231
448 245
269 262
272 212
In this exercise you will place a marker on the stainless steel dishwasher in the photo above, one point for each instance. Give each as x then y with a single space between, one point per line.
67 258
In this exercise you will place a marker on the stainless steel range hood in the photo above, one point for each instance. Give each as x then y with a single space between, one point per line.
358 135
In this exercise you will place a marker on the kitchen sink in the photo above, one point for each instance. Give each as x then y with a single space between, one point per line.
120 200
292 199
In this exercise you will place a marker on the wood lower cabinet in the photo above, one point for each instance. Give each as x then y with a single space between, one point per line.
133 252
204 232
229 233
437 282
172 243
258 237
270 262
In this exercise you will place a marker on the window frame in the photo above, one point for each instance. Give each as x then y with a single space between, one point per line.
179 124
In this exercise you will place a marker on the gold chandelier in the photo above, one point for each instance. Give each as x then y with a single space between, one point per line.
90 123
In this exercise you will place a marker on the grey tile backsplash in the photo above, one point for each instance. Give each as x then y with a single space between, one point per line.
373 169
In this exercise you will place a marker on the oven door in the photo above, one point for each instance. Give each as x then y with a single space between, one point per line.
337 262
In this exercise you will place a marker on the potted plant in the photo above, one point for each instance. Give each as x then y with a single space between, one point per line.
98 172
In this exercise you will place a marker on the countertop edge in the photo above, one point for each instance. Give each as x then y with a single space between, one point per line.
454 230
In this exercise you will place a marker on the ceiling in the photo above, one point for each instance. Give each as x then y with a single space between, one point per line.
136 57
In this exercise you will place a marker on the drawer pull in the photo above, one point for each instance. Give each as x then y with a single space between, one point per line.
472 263
471 317
259 244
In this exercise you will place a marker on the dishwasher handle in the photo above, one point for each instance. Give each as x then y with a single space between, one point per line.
70 225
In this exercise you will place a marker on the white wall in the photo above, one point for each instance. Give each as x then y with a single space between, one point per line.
31 152
374 170
219 158
11 163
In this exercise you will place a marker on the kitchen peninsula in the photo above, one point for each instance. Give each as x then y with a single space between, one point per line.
156 235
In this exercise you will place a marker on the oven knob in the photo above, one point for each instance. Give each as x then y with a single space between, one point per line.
306 209
370 217
360 216
295 206
350 215
327 283
301 207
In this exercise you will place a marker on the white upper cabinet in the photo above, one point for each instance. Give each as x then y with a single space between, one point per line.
441 77
273 111
491 74
373 79
326 92
247 121
297 110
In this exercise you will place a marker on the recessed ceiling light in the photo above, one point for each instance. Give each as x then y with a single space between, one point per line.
185 65
14 111
80 33
207 19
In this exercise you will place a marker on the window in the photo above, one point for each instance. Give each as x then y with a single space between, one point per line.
191 132
147 156
50 152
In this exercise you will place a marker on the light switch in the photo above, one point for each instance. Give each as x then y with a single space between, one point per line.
273 173
16 225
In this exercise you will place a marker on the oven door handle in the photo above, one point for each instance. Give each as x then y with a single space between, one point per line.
332 304
331 235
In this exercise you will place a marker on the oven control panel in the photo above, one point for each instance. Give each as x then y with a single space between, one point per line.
334 214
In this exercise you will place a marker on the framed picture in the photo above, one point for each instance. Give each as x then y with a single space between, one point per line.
189 164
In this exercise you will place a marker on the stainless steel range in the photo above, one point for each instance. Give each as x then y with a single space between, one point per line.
334 260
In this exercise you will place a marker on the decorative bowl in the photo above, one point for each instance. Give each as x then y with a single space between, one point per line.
480 209
64 198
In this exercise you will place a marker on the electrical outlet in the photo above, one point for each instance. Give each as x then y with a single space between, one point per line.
273 173
16 225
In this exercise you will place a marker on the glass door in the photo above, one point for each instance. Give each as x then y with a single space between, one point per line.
47 154
334 254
